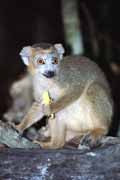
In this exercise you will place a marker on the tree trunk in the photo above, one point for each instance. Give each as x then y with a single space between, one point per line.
71 21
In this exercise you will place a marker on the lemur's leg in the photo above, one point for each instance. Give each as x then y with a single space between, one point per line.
58 135
101 112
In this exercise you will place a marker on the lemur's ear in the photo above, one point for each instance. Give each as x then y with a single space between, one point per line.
60 49
25 53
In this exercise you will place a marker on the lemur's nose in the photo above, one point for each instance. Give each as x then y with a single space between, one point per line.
49 74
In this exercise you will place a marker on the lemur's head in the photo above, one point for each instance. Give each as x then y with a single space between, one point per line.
43 58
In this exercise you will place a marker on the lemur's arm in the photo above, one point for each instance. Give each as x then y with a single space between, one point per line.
67 98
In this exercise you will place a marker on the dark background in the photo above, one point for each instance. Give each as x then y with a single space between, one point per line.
26 22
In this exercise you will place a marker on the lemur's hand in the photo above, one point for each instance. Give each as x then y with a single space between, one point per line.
46 103
46 109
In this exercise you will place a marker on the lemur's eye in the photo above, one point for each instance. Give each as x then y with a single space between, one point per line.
40 61
55 61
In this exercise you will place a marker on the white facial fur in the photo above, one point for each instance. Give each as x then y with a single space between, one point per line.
49 63
31 54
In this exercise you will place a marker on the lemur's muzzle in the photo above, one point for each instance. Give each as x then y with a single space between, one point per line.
49 74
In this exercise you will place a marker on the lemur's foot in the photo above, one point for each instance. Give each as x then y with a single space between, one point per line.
44 145
89 141
36 142
47 145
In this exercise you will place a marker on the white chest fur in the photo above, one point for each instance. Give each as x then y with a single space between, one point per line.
41 84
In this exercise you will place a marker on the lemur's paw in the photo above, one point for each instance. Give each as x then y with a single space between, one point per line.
88 140
44 145
19 134
47 145
36 142
46 109
18 129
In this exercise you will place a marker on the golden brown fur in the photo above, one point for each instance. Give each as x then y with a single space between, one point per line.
81 102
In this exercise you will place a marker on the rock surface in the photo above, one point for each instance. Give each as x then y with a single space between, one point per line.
66 164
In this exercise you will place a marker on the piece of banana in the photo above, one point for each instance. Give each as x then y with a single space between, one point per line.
46 98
